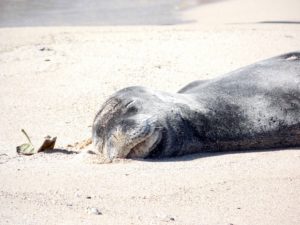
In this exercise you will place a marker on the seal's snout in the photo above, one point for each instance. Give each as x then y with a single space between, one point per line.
133 139
124 133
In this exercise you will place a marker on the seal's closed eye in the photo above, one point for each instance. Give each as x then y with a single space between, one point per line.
131 107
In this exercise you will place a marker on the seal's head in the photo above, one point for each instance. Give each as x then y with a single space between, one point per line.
135 123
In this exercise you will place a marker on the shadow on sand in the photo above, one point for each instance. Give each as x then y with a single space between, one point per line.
58 150
212 154
180 158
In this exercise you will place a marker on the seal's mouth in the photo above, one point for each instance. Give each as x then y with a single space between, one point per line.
144 147
135 143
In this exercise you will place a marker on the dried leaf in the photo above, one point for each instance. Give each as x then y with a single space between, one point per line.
48 144
28 148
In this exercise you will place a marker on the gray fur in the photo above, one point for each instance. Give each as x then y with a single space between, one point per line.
254 107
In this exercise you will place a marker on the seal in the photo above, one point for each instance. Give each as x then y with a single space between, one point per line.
255 107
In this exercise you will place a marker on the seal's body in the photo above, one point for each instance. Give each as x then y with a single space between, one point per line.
255 107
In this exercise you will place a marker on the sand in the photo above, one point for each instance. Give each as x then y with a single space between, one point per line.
54 79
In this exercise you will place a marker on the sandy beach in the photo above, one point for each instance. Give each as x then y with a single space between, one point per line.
54 79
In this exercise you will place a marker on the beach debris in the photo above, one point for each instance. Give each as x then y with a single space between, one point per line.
80 145
168 218
29 149
48 144
45 49
93 210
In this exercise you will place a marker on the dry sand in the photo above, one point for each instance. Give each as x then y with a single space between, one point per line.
53 80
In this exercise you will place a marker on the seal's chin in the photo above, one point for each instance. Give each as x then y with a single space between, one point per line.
137 143
144 147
